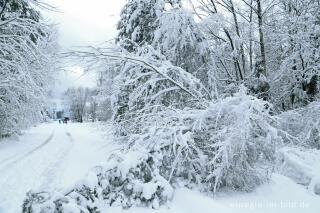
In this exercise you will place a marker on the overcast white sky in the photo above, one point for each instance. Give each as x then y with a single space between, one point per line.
83 22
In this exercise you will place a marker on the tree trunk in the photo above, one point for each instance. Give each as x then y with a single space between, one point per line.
238 33
263 55
235 60
3 8
250 35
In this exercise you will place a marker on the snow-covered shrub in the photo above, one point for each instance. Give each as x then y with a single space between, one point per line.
237 137
230 144
298 160
136 181
128 179
302 126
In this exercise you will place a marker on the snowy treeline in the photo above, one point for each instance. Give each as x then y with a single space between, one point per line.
28 52
87 104
75 100
203 95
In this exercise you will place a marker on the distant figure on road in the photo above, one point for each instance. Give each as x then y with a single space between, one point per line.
65 120
59 121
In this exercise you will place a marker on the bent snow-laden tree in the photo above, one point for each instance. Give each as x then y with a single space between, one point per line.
145 79
27 56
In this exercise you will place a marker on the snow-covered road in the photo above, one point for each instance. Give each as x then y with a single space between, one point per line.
48 156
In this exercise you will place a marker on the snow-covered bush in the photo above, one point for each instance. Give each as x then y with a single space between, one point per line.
135 180
230 144
302 126
300 130
129 178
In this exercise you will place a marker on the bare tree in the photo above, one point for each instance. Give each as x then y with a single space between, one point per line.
76 99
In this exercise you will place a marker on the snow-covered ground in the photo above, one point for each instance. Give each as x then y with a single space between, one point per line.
47 157
52 157
281 195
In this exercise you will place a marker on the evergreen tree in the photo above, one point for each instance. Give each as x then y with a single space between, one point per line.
180 39
20 8
138 22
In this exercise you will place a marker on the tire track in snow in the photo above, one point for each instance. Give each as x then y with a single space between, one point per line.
26 154
70 137
52 175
